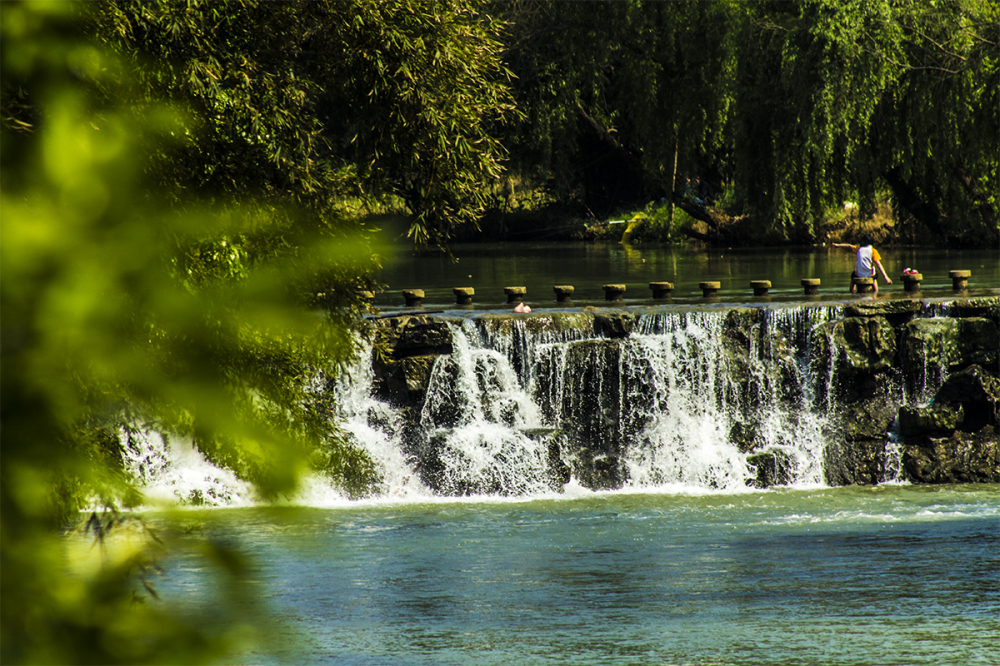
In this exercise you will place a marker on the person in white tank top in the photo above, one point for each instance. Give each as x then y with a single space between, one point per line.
868 260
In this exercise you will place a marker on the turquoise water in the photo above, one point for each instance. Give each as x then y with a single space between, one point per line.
892 574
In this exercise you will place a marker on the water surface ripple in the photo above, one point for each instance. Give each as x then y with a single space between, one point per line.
894 574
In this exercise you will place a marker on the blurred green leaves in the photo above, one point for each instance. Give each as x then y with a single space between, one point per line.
123 302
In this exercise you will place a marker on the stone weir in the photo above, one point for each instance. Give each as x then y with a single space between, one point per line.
862 393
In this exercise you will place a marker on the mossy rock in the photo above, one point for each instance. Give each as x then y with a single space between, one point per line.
961 458
973 384
855 345
934 420
614 324
542 323
987 307
744 436
948 343
978 393
407 335
739 325
867 420
855 463
404 381
880 308
771 468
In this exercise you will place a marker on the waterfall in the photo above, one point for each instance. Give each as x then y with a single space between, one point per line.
528 406
475 424
670 405
172 470
374 426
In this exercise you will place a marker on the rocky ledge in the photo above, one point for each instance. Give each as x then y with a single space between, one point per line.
910 379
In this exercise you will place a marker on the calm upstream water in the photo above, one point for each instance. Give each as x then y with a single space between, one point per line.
489 267
893 574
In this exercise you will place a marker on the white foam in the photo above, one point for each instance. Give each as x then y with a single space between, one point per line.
498 385
172 471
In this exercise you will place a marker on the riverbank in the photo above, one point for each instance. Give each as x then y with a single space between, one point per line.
575 223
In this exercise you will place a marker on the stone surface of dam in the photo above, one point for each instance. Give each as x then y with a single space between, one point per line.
862 393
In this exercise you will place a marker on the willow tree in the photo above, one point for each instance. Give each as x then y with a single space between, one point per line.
933 137
849 99
619 98
803 97
797 106
413 94
322 101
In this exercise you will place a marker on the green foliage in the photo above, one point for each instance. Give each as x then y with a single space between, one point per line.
667 227
654 72
421 91
655 223
126 299
790 107
934 138
327 100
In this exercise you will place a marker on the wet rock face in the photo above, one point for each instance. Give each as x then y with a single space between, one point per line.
953 439
860 463
855 345
931 420
771 468
941 344
614 324
592 418
856 453
896 313
960 458
870 369
858 355
871 363
968 400
987 308
404 355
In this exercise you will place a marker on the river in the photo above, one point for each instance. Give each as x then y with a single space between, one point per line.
489 267
475 552
893 574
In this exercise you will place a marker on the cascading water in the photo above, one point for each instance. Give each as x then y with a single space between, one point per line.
716 400
475 424
375 427
170 470
511 413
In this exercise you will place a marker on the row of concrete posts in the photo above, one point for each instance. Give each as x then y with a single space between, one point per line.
662 290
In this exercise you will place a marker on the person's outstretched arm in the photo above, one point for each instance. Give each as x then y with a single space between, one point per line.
887 280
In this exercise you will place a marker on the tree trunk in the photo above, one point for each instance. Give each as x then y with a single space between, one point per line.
673 172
